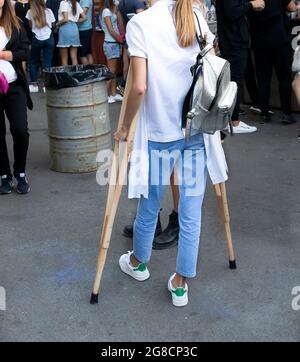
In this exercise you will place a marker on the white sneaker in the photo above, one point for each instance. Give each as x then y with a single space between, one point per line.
140 273
255 109
111 100
243 128
259 111
118 98
179 295
33 88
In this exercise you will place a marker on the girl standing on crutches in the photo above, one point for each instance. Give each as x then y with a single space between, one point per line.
162 45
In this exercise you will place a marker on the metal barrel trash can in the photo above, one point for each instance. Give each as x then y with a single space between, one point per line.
78 117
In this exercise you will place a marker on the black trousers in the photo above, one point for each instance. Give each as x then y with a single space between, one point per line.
238 62
55 56
279 58
250 80
14 106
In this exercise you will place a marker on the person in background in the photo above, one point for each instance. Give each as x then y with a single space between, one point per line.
54 6
69 14
14 99
127 9
85 33
296 88
234 43
272 48
21 9
41 21
296 81
112 46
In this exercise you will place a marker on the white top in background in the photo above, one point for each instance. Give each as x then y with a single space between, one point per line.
152 35
5 67
45 32
66 7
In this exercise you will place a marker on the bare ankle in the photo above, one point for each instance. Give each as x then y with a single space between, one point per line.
179 281
134 262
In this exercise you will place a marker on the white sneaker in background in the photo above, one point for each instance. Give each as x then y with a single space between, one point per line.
179 295
111 100
33 88
256 109
243 128
118 98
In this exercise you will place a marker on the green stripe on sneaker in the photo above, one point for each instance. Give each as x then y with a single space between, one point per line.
180 292
141 268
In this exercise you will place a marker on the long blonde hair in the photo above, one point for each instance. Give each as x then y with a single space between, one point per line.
8 20
38 12
185 23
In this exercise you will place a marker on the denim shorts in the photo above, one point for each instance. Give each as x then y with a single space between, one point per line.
112 50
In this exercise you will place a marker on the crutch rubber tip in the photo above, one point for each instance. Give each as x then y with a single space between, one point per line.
94 299
232 264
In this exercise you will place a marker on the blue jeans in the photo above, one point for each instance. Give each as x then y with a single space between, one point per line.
39 47
192 173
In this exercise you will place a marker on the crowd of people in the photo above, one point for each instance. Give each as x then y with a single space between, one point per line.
254 36
59 32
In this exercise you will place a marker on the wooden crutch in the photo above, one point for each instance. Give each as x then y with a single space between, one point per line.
221 193
117 179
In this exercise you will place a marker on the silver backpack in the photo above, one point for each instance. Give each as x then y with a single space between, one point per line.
210 102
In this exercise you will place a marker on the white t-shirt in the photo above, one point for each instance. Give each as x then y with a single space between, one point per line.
6 67
45 32
152 35
66 7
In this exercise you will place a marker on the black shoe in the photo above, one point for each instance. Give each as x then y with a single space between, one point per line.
288 119
128 230
298 137
170 236
6 185
22 184
265 119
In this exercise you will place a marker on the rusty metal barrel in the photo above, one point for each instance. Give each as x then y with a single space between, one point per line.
79 126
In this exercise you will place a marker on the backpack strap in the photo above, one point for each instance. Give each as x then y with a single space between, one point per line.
202 41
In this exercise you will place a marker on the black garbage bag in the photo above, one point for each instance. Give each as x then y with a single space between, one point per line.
75 75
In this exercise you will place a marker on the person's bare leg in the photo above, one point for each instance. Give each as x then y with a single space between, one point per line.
125 63
90 59
134 261
64 56
178 281
296 87
175 192
73 55
236 123
112 84
84 60
24 65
